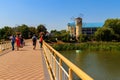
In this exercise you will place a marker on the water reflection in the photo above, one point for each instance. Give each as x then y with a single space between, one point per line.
99 65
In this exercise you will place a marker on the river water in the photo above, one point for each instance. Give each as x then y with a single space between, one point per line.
100 65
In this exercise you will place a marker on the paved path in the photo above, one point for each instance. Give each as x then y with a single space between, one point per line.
25 64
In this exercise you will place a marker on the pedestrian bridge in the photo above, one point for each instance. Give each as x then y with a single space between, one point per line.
39 64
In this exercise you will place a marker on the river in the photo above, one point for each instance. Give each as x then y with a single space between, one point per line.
100 65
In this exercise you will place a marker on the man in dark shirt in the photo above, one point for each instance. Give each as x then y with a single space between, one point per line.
34 39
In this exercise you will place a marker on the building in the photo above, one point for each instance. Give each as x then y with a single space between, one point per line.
77 28
89 30
78 24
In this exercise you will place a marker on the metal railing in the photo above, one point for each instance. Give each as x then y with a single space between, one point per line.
5 45
54 62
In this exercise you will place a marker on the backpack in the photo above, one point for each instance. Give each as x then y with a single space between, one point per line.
34 39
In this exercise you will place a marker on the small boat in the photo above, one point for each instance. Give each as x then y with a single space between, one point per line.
78 51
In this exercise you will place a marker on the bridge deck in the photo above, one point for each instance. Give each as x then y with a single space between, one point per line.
25 64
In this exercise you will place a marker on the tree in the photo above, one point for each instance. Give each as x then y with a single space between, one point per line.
24 30
32 30
115 25
60 35
6 32
1 34
65 36
41 28
104 34
83 38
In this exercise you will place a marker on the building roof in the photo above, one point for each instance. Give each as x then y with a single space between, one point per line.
72 24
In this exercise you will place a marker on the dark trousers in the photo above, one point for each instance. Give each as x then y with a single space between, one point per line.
41 44
12 43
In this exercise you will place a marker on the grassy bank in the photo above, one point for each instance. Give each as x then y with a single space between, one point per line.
104 46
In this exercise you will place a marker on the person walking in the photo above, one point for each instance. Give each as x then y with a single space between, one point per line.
12 41
17 42
34 40
21 41
41 41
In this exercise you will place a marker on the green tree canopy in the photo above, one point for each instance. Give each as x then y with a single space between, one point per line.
32 30
6 32
104 34
24 29
41 28
61 35
114 24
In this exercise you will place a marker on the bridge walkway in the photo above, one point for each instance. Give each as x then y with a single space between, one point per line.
25 64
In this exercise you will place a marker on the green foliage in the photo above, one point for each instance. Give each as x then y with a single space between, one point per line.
41 28
24 29
104 34
64 46
97 46
32 31
110 31
65 37
62 35
83 38
6 32
56 34
114 24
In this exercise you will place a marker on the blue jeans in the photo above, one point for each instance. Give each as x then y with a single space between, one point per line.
12 43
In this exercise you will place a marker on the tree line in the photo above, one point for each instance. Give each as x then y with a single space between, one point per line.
25 30
110 31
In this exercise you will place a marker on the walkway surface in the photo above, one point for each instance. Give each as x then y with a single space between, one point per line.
25 64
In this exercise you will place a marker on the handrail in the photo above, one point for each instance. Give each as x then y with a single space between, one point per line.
81 74
5 45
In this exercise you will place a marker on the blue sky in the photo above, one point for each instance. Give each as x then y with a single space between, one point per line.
55 14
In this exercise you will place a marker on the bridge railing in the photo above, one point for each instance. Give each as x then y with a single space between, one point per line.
5 45
55 61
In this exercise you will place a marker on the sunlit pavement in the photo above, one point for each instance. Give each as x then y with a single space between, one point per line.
25 64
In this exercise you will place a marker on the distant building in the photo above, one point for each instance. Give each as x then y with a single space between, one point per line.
89 30
76 28
78 23
71 28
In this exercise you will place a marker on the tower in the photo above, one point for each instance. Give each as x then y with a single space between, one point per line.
78 22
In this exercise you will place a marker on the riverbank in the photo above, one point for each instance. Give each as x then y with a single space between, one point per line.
97 46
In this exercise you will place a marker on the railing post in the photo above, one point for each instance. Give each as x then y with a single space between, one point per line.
55 65
10 44
4 45
60 71
0 46
70 74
